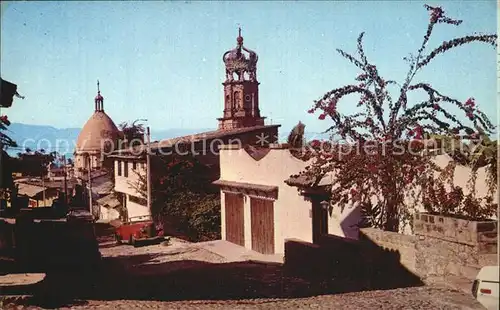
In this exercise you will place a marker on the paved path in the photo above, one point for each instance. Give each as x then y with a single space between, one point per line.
235 253
421 298
209 276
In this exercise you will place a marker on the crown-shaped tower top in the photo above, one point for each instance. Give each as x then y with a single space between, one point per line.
241 88
244 66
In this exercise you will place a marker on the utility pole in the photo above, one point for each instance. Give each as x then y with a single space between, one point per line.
65 181
90 185
43 185
148 166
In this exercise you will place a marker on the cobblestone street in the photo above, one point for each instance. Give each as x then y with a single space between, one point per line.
187 276
409 298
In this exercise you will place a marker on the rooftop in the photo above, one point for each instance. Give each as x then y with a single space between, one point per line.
168 143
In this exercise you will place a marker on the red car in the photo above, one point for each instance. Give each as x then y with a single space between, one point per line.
135 232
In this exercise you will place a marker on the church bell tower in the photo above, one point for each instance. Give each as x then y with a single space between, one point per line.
241 89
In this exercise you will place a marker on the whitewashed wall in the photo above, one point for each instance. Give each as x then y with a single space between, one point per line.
292 214
127 184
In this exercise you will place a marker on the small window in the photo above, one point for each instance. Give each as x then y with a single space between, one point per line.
125 170
138 200
119 168
134 165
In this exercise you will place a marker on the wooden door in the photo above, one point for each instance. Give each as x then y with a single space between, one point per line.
319 220
262 224
234 218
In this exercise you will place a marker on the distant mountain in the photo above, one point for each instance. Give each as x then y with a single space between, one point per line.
38 137
63 140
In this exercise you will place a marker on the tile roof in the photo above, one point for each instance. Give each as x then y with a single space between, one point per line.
104 188
248 186
30 190
256 153
208 135
95 174
309 181
110 201
47 184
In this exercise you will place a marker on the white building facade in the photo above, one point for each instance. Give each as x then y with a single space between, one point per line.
127 172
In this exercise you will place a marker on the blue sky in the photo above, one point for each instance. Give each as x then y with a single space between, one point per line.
163 60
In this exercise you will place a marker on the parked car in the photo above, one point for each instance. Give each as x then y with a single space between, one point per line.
485 287
137 232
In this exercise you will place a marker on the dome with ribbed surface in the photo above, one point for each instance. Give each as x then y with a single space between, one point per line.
98 129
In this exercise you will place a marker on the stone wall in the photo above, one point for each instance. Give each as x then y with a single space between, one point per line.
453 247
441 249
403 244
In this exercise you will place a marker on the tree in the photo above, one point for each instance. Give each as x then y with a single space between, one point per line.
384 161
5 160
132 132
182 189
35 163
5 140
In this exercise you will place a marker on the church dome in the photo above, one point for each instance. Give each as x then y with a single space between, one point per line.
98 129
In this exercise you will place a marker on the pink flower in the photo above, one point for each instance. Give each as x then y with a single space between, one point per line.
311 111
470 103
436 13
332 107
435 106
315 143
322 116
372 168
362 76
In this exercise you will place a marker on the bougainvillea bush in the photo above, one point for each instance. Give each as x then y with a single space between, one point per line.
381 162
445 198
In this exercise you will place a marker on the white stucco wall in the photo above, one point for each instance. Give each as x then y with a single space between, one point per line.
108 214
291 211
292 214
127 185
137 212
